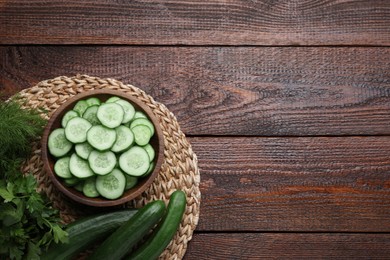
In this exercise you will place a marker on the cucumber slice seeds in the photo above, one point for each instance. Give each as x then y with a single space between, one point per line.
103 149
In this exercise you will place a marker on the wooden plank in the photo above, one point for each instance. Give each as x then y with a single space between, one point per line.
294 184
215 22
232 91
288 246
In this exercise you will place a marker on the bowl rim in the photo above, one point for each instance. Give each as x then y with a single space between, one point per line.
101 202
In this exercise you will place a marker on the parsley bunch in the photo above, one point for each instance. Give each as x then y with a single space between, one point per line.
29 224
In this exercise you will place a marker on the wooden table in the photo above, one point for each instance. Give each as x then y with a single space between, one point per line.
285 103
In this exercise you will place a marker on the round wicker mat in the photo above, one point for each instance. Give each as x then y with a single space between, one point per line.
179 169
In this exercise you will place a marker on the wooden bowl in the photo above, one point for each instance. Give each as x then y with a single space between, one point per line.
157 141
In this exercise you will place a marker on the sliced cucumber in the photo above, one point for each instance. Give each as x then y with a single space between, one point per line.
58 144
71 181
76 130
128 108
102 163
131 181
124 139
101 137
89 188
61 168
139 114
79 186
149 171
142 121
112 99
80 107
93 101
134 161
142 134
68 116
91 115
79 167
112 185
150 150
110 114
83 150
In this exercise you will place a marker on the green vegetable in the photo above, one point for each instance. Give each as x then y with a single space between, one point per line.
164 233
84 232
129 234
28 222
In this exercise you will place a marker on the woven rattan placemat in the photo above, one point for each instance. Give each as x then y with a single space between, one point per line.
179 169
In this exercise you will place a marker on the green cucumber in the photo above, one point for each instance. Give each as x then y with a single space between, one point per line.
101 137
83 150
68 116
142 134
124 139
61 168
119 243
80 107
135 161
91 115
167 228
85 232
142 121
93 101
111 186
89 188
128 108
76 130
110 114
79 167
150 150
58 144
102 163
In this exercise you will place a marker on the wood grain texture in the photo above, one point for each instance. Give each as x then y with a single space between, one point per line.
216 22
337 184
232 91
288 246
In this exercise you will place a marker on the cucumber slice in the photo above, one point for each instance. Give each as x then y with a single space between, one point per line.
76 130
61 168
80 107
150 150
89 188
131 181
128 108
135 161
68 116
124 139
58 144
93 101
142 121
139 114
79 167
83 150
112 185
151 168
79 186
112 99
91 115
142 134
102 163
110 114
101 137
71 181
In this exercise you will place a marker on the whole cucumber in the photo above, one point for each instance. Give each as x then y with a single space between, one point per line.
163 234
130 233
84 232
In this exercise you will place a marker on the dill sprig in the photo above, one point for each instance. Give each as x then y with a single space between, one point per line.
18 127
28 222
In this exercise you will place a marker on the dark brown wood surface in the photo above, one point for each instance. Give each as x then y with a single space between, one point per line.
277 91
235 22
285 103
